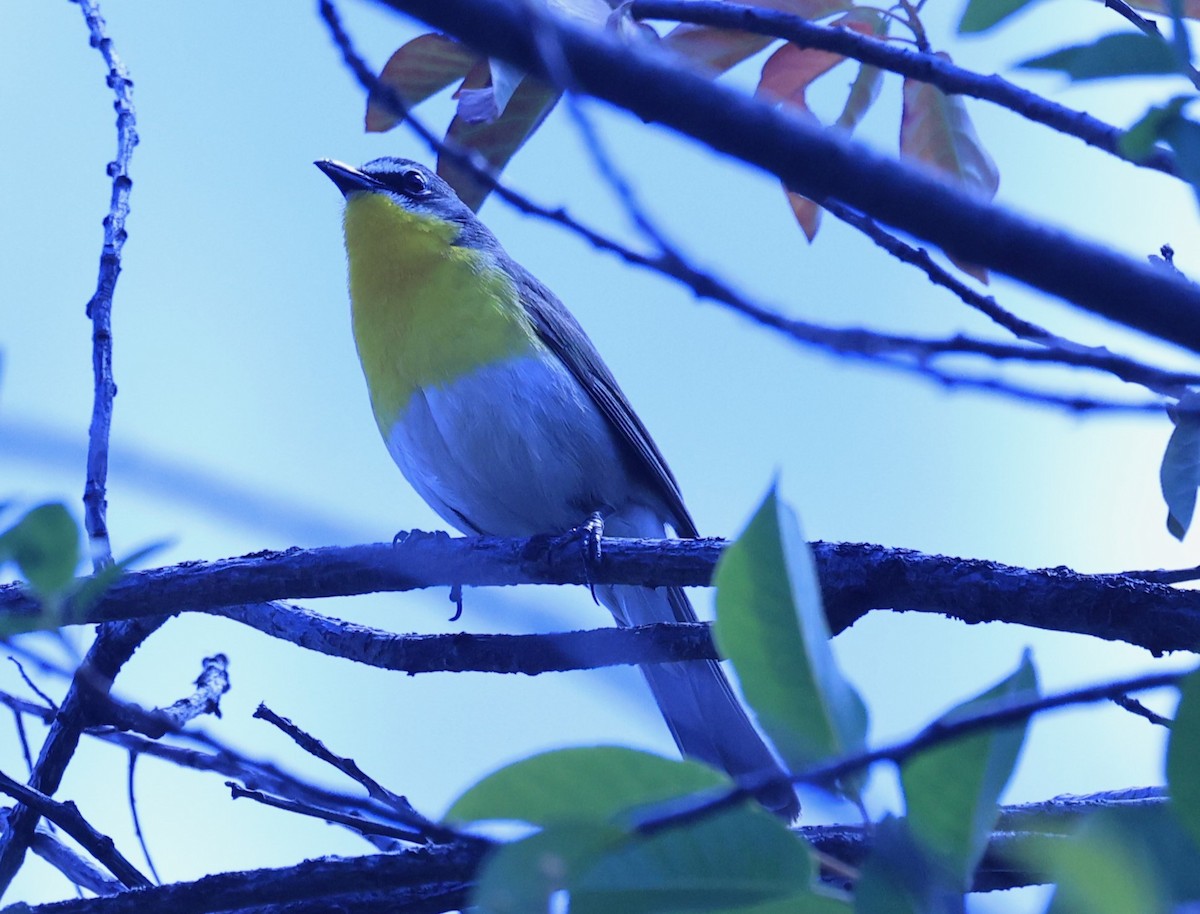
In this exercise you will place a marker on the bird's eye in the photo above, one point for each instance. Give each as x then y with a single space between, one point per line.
413 183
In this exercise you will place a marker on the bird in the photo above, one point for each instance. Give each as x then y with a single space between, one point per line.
501 414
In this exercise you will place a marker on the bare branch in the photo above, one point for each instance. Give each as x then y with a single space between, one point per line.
415 823
99 309
77 868
211 684
365 826
1129 370
67 817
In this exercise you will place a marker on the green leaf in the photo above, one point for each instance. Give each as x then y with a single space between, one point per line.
520 877
899 879
1183 756
588 784
810 901
1184 137
1120 54
1118 861
981 15
771 625
731 860
88 591
952 790
1179 475
742 857
1180 43
1138 141
44 544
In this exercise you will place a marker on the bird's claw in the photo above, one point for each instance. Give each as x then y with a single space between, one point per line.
456 598
592 530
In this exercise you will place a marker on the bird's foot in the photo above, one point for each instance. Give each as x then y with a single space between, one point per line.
592 531
405 535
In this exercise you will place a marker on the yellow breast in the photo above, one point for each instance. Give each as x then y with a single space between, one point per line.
425 312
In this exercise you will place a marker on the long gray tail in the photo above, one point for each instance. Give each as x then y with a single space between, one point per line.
697 701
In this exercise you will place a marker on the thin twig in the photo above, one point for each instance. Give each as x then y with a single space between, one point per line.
211 684
26 752
1000 714
32 685
313 746
99 308
367 827
137 820
1127 369
1165 575
1133 706
556 63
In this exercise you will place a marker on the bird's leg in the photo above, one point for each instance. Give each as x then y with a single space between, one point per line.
592 530
456 596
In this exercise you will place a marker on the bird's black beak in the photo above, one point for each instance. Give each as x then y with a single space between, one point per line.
347 179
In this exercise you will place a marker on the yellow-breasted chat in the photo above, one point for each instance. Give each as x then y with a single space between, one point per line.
501 414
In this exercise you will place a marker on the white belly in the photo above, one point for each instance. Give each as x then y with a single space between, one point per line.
516 449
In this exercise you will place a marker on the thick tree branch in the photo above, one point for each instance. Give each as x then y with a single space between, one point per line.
360 884
856 578
818 164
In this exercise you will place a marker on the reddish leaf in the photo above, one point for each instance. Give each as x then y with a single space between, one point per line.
936 131
498 140
419 69
1191 8
719 49
807 213
714 49
787 74
865 88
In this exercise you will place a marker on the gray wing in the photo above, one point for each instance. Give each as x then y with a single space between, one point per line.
555 325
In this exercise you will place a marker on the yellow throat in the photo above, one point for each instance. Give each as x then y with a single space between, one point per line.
424 311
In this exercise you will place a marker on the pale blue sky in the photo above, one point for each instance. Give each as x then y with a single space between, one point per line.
242 421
